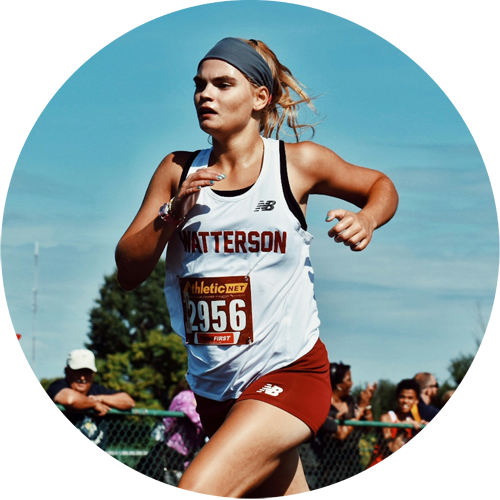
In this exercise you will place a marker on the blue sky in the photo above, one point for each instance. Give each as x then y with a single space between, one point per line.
408 303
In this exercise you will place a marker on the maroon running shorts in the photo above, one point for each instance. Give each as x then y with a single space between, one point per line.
302 388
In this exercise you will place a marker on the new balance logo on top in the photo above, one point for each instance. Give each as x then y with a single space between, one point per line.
265 206
271 390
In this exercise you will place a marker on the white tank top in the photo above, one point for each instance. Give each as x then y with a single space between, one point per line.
239 282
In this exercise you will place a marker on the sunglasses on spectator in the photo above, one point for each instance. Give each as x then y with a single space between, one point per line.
434 386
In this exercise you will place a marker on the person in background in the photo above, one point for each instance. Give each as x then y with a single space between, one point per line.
407 394
80 396
394 438
423 410
343 405
332 439
184 435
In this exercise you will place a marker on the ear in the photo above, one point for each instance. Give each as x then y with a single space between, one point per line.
261 98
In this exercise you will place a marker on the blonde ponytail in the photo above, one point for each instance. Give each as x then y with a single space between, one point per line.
284 106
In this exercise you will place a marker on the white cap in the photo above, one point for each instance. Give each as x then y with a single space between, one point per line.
81 358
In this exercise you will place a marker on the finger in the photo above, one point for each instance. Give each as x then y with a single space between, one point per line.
206 173
194 187
335 214
201 183
361 245
351 235
347 222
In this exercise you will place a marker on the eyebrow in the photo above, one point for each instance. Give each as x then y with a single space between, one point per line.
225 78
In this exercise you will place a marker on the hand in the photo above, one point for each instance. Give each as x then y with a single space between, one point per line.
366 395
95 398
417 425
189 192
101 409
354 230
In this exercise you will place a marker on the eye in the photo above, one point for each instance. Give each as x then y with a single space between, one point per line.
199 85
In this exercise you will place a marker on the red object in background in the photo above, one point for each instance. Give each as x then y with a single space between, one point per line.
18 335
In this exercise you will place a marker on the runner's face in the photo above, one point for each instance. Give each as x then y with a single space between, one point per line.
223 97
406 399
80 380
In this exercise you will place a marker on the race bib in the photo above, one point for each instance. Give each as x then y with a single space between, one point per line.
217 311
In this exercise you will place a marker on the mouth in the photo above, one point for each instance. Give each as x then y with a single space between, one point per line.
205 111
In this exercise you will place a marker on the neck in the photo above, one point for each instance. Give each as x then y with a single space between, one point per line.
238 151
337 397
402 415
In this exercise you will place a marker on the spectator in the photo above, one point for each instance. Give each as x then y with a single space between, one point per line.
78 394
446 396
423 410
407 393
394 438
184 435
181 440
332 438
343 406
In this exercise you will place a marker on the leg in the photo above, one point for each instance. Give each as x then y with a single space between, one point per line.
254 447
287 479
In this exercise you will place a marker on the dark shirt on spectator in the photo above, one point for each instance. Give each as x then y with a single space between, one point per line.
95 389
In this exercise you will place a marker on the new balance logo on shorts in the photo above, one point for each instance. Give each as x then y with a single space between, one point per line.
265 206
271 390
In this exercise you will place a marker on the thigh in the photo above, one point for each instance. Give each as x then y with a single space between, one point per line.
287 479
255 441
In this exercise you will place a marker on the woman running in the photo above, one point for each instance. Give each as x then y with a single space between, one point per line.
239 281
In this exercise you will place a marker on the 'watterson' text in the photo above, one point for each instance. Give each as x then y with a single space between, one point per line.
234 241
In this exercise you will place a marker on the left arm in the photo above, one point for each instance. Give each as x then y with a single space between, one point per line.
119 401
314 169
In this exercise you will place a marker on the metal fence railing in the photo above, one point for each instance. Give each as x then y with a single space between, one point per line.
137 439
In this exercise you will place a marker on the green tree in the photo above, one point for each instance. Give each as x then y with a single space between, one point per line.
148 371
121 318
459 366
132 338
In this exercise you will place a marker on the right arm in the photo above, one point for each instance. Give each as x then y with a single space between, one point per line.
74 400
140 248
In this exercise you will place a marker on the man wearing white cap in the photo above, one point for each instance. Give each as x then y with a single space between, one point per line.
78 393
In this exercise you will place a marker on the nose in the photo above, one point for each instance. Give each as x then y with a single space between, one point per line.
206 93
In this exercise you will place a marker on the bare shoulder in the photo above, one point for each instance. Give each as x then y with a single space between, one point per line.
385 418
307 157
308 152
308 165
169 170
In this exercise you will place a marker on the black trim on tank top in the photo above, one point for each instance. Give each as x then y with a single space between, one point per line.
187 166
234 192
292 203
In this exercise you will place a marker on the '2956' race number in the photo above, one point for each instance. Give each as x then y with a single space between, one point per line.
217 310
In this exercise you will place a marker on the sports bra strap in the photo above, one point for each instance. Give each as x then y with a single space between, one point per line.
292 203
187 166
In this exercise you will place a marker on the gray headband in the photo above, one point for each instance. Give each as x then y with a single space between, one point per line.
245 58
